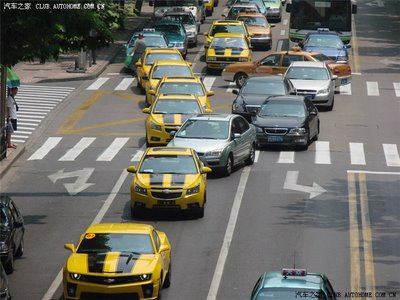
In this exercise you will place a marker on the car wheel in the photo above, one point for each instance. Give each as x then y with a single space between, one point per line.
229 166
240 79
252 155
199 212
9 265
317 134
20 250
215 3
159 289
305 147
167 281
135 212
331 106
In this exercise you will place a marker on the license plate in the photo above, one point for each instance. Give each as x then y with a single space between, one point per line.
275 139
166 202
344 81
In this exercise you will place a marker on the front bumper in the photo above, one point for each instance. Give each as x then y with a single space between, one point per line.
274 15
261 41
292 140
162 137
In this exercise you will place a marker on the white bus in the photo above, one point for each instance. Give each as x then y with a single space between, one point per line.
313 15
196 7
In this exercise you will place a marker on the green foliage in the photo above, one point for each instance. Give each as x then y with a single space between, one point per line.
29 34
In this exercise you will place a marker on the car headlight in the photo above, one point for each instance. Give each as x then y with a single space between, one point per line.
324 91
75 276
237 107
193 190
140 190
211 58
145 277
155 126
259 129
297 131
215 153
243 59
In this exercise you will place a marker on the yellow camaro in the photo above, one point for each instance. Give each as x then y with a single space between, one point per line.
120 259
163 68
150 56
225 26
183 85
227 48
169 178
168 112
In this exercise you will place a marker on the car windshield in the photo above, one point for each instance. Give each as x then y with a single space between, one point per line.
307 73
184 19
182 87
282 108
264 88
176 106
227 29
152 57
254 21
168 70
326 41
289 294
320 57
229 42
168 164
169 28
204 129
116 242
155 42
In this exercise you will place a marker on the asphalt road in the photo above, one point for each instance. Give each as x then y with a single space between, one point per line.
261 218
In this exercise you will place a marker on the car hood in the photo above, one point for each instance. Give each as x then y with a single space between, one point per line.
111 263
251 99
174 38
226 51
166 180
170 119
278 122
199 145
310 84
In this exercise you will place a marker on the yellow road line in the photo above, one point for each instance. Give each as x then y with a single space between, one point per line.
354 45
354 234
367 236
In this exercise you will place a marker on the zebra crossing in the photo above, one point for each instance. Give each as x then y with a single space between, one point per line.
212 82
320 149
35 102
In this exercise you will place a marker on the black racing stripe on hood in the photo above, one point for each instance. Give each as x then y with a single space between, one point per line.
96 262
168 118
236 52
156 179
126 262
220 52
178 179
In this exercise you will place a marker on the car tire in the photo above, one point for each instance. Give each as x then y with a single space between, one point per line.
167 281
240 79
317 134
215 3
252 156
199 212
9 265
135 212
229 166
20 250
159 289
330 108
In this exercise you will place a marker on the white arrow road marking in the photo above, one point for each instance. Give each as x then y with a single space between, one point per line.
79 185
291 184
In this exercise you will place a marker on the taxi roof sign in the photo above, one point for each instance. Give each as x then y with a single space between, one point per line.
294 272
148 30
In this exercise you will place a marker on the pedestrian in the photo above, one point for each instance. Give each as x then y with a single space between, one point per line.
138 49
93 44
12 108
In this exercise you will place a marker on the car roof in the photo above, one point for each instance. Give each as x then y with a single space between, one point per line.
169 151
162 50
312 281
149 33
176 96
319 64
120 228
322 32
227 22
214 116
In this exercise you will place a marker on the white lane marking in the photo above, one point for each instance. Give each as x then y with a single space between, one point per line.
39 101
286 157
21 120
345 89
391 155
43 92
231 87
198 55
28 116
19 131
396 86
48 145
223 254
42 107
100 215
285 21
98 83
139 153
73 153
124 84
17 140
24 128
282 32
20 136
47 87
280 45
113 149
25 108
208 82
373 172
26 123
257 155
322 153
357 156
22 112
372 88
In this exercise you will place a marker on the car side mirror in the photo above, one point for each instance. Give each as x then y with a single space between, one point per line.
70 247
164 248
237 136
301 45
210 93
334 77
172 133
146 110
313 112
152 92
138 63
223 15
206 170
145 77
131 169
235 91
151 3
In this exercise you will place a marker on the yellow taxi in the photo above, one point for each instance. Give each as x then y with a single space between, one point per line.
258 27
227 48
225 26
168 112
150 56
184 85
209 7
163 68
277 63
120 259
169 178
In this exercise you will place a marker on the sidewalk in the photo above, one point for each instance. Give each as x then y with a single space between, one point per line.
56 71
